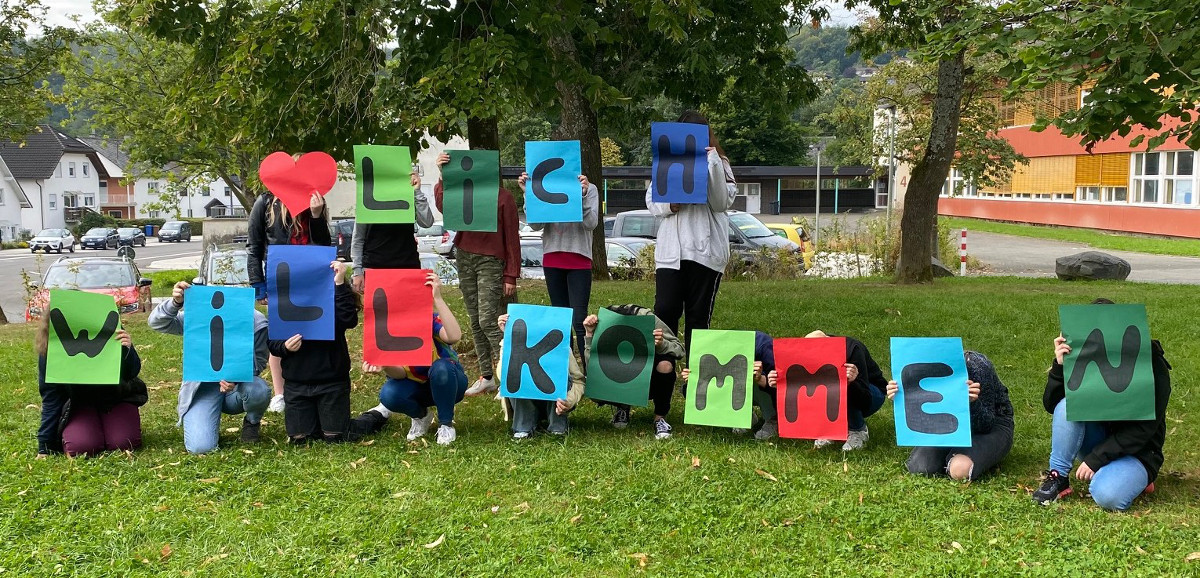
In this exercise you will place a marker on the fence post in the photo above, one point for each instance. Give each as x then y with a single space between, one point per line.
962 255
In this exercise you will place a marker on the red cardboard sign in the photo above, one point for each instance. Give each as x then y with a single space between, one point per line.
812 387
294 181
398 328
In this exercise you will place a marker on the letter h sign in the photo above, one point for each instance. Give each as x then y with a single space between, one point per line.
680 164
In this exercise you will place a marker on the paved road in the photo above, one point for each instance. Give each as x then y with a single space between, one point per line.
1028 257
14 261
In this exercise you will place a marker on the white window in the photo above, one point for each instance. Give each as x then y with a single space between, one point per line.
153 214
1164 178
68 200
957 185
71 170
53 201
1116 194
227 191
152 186
1087 193
86 172
206 191
89 200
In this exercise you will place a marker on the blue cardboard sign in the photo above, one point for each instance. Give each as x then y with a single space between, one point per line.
218 334
300 292
537 351
553 193
932 406
680 164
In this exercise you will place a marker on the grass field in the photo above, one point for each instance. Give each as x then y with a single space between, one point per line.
1097 239
604 502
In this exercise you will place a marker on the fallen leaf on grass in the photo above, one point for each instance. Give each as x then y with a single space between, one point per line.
495 509
360 461
366 443
30 406
642 558
165 552
523 506
695 462
22 492
161 508
248 452
957 546
1140 550
210 480
436 543
232 430
212 559
1192 557
406 464
766 475
860 498
576 519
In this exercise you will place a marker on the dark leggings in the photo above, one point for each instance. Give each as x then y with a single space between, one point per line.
690 291
571 288
662 387
986 451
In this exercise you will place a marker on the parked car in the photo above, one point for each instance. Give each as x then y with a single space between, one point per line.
99 238
224 265
746 233
117 277
429 238
130 236
796 234
445 270
638 223
445 247
623 251
609 222
527 232
341 234
531 259
175 231
53 240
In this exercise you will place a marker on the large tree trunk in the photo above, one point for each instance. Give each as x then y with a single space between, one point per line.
578 122
919 218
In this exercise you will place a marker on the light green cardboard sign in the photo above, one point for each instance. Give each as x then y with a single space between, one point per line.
384 178
83 348
1109 374
621 359
471 191
722 366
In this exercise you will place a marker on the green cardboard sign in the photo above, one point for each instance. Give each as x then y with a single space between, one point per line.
719 387
471 191
83 348
622 358
384 178
1109 374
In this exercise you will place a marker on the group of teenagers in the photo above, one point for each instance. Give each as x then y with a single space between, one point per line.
311 379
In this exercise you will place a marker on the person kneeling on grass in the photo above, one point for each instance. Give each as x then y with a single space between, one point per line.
1120 459
991 428
528 414
202 403
84 420
668 351
765 389
411 390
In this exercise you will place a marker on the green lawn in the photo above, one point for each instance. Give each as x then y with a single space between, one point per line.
604 502
1098 239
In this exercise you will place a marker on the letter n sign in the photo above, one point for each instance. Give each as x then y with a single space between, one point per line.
1110 371
722 365
537 351
680 164
384 178
812 387
398 319
300 292
932 407
218 334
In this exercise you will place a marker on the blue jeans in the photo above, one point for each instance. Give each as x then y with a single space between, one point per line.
856 417
202 421
446 386
528 412
1117 483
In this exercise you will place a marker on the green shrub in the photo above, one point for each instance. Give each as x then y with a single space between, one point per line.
90 220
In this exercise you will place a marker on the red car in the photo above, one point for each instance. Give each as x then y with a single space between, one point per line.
117 277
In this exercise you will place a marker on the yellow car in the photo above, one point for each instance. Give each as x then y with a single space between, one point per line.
796 234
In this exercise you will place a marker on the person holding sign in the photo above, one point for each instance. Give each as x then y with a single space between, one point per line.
527 414
693 244
411 390
83 419
765 389
317 376
567 257
489 264
389 245
991 428
271 223
668 351
1120 459
202 403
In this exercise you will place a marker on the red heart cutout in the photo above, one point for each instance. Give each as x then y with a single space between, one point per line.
294 181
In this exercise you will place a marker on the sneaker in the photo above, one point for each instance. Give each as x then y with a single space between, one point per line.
818 444
1149 489
662 429
446 435
856 440
371 420
768 431
740 431
420 427
1054 487
276 405
520 435
620 418
482 386
251 431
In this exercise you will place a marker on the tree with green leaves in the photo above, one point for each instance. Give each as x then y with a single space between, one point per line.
25 62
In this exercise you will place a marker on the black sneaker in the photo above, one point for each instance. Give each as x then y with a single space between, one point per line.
369 422
662 429
250 431
620 418
1054 486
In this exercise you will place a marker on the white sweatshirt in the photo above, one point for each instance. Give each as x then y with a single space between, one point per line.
698 233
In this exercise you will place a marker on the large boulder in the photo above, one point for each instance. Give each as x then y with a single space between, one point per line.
1091 265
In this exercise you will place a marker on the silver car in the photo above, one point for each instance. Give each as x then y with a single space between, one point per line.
53 240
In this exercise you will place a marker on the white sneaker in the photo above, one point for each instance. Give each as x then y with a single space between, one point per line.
276 405
481 386
767 431
520 435
420 427
818 444
446 435
856 440
740 431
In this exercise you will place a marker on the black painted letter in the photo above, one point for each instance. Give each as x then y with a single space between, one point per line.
289 311
667 159
1093 351
520 354
798 378
711 369
468 191
915 397
369 200
383 338
610 340
539 175
76 344
216 334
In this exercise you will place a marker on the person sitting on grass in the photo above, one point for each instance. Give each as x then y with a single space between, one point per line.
202 403
85 420
412 390
1120 459
668 352
764 390
991 428
528 414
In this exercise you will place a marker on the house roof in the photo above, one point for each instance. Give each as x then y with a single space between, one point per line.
6 177
115 159
38 154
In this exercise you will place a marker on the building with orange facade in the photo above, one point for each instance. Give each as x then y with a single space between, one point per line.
1112 187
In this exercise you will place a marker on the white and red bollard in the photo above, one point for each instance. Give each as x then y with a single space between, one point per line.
962 255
